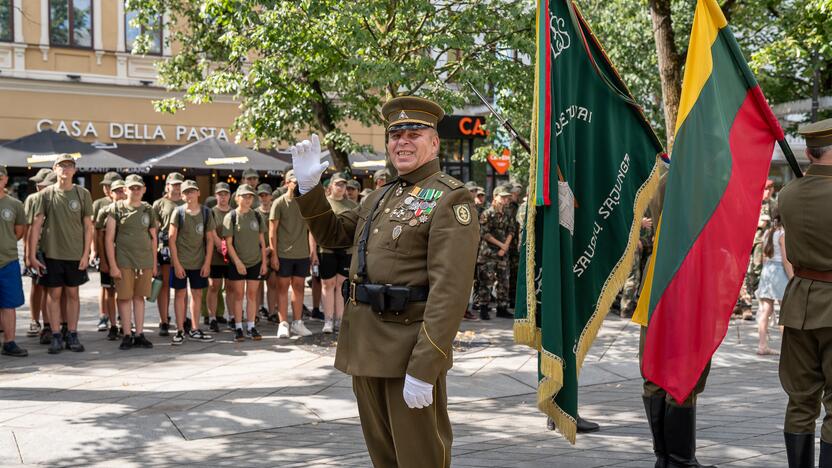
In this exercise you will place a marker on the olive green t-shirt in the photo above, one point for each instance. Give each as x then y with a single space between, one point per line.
246 235
164 210
134 245
97 205
219 216
64 213
292 233
100 220
28 204
265 215
11 215
190 238
338 207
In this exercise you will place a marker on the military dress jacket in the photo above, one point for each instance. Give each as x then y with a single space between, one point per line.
424 233
807 221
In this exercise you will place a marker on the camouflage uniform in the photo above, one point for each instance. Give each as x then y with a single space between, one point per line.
513 254
629 294
493 270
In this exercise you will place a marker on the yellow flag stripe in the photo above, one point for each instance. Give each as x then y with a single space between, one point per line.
707 22
642 313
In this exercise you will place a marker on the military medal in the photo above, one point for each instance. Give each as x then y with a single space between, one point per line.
407 215
413 222
423 218
397 231
408 200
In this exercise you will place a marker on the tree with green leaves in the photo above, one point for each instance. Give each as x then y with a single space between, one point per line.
313 65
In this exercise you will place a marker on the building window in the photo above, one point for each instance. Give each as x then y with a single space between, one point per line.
6 21
154 33
70 23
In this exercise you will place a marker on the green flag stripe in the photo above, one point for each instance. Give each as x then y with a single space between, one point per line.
717 105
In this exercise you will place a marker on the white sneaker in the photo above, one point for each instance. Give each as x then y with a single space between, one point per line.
298 328
328 327
283 330
34 329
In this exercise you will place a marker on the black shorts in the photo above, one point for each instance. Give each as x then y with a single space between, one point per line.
63 273
191 276
252 273
219 272
293 267
161 259
107 280
337 262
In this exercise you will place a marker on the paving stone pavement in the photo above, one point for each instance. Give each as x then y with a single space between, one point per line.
280 402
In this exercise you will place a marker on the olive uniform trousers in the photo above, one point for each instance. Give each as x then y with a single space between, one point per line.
806 376
398 436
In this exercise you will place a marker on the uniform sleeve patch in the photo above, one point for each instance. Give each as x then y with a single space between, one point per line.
463 214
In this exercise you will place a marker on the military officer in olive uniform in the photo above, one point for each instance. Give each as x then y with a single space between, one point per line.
806 310
415 241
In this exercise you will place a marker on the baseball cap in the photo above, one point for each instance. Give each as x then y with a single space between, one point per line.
290 175
63 157
118 184
338 177
264 188
50 179
189 185
110 177
134 179
222 187
42 173
174 178
382 174
352 183
244 189
501 191
3 171
250 173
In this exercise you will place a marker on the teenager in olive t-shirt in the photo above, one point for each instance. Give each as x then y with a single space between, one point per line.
243 231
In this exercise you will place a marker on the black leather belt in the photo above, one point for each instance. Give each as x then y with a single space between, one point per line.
386 297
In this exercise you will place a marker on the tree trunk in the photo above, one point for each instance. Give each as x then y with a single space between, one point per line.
670 64
323 116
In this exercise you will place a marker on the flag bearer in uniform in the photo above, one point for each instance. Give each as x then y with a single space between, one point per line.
415 242
806 310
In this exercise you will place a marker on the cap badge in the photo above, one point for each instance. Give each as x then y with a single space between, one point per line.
403 115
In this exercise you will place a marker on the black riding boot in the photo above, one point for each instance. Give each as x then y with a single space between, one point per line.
654 408
680 437
484 315
800 450
825 453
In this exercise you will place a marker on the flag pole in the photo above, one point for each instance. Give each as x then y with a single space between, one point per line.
787 152
506 124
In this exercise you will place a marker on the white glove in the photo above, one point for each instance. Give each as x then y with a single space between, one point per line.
417 394
306 162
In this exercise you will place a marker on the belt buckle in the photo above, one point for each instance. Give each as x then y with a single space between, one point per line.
352 293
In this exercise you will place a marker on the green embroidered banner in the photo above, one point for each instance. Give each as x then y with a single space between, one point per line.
594 152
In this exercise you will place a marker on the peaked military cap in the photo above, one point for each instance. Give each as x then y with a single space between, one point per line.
411 112
817 134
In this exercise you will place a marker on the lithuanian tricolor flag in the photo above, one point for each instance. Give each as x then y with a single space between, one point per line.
725 133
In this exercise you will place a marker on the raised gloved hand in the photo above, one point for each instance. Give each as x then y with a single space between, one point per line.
417 394
306 162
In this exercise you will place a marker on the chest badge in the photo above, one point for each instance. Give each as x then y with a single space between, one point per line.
397 231
462 214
